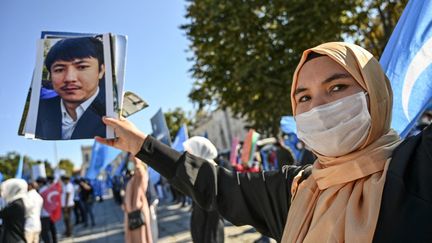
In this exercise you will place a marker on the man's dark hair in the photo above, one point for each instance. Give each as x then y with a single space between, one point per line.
71 48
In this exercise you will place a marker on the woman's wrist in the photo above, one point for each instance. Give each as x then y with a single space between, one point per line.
138 142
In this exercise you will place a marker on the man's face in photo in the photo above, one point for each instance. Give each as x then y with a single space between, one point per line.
76 81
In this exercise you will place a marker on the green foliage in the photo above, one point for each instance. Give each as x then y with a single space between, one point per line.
372 23
9 165
175 119
245 52
66 165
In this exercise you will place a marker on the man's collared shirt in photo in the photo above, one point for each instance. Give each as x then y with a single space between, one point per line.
68 124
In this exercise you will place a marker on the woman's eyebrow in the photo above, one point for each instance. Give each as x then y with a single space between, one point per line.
336 76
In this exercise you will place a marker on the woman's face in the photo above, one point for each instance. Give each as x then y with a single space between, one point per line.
321 81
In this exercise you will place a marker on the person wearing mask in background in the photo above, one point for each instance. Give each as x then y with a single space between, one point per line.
67 203
366 185
33 211
14 192
135 204
86 201
206 225
49 231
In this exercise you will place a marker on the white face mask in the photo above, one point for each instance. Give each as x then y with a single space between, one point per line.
336 128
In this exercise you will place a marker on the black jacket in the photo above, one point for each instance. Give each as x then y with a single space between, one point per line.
49 119
13 216
263 199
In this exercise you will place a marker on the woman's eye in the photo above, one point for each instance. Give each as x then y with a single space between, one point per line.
338 87
304 98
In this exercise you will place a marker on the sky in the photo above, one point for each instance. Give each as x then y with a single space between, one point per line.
156 68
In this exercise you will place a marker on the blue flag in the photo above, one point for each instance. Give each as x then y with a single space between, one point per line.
19 172
101 156
288 125
122 165
160 128
406 61
181 137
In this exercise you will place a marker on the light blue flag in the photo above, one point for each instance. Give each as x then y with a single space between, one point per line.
19 172
181 137
160 128
122 165
406 61
101 156
288 125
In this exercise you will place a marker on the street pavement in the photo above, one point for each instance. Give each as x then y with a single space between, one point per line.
173 223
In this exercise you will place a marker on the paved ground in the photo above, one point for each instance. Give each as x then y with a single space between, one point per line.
173 226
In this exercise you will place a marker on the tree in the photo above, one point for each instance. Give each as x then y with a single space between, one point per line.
175 119
245 52
372 23
66 165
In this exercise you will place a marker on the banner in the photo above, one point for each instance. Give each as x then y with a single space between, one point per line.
101 156
406 61
52 200
234 150
181 137
38 170
160 128
249 146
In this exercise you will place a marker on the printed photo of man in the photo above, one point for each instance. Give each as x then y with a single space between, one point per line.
72 101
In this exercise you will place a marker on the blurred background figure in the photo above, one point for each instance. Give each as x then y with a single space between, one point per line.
135 200
48 230
78 210
33 206
67 203
14 192
86 201
206 226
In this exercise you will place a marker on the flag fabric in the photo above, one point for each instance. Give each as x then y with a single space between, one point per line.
52 200
1 177
181 137
406 61
234 150
19 172
160 128
249 146
288 125
122 165
101 156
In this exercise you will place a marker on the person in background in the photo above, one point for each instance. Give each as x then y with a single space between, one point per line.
135 199
206 225
67 203
86 201
33 211
78 209
153 200
14 192
49 231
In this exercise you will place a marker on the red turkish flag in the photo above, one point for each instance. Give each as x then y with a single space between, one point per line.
52 201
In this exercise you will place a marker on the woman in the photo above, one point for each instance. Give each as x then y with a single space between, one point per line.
366 185
206 226
135 199
14 192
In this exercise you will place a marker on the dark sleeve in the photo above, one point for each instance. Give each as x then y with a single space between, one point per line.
422 164
258 199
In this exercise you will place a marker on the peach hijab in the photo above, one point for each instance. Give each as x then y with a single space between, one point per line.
340 201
